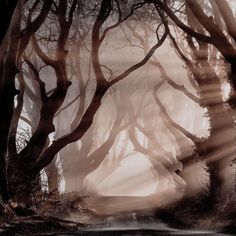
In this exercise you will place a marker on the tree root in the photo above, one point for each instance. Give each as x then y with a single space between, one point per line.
37 224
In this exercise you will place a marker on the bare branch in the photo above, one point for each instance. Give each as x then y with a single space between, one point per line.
67 105
228 17
37 78
40 53
170 120
179 23
142 62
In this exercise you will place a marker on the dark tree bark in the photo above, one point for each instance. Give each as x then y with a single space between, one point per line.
22 177
7 8
8 71
13 45
101 88
217 152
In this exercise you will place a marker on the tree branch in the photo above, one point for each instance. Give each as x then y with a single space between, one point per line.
192 137
142 62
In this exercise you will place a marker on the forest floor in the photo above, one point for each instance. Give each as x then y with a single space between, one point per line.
112 225
34 225
76 219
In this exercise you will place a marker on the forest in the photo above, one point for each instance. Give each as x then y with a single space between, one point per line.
117 112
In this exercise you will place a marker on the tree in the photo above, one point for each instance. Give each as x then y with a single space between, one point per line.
206 40
21 170
8 70
7 9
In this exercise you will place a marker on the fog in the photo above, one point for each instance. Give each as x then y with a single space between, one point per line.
147 124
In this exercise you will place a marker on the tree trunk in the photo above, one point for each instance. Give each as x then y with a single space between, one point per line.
7 8
8 71
75 167
232 78
218 151
216 185
22 185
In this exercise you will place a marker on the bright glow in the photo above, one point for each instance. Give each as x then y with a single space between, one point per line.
61 185
131 178
225 91
44 181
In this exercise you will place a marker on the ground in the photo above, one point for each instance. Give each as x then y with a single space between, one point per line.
73 218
